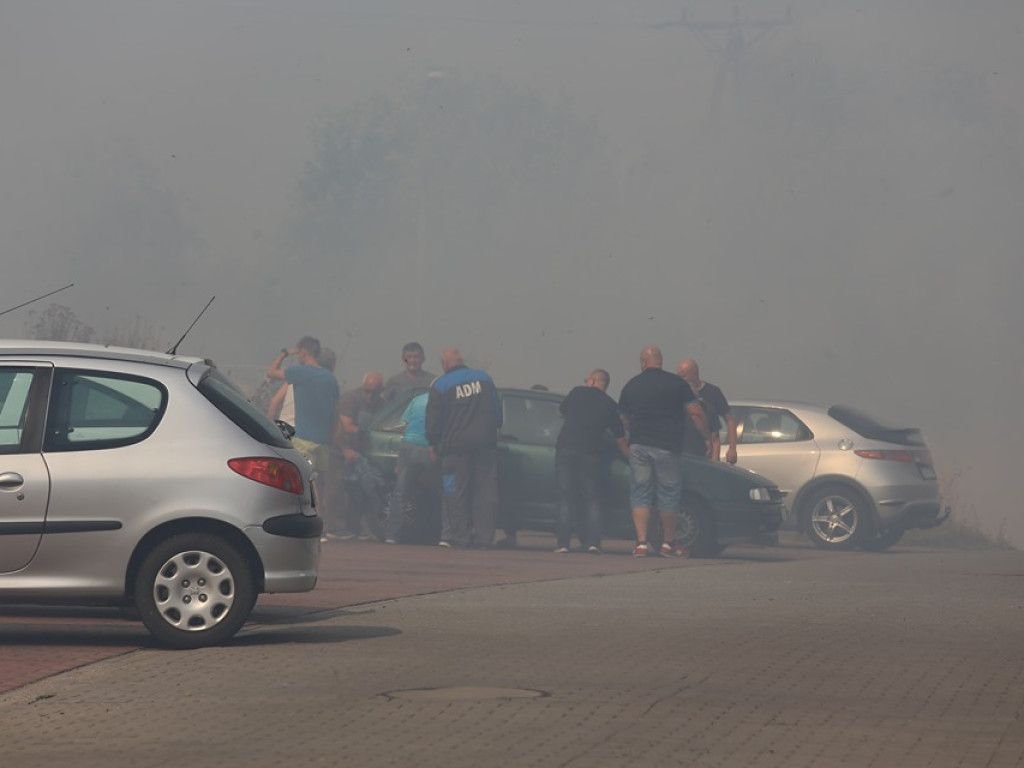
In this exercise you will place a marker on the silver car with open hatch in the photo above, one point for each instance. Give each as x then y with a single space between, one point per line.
135 478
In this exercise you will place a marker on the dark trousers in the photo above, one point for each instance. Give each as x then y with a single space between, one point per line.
470 495
414 462
579 479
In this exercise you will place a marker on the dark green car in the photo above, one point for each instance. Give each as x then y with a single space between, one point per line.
721 504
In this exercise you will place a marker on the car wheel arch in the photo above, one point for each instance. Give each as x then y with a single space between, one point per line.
194 525
706 542
839 516
801 510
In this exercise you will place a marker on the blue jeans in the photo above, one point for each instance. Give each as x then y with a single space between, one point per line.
656 480
413 463
579 478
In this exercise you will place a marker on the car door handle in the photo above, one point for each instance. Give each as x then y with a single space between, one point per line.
11 480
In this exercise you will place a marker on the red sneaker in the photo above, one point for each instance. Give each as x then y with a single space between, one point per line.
674 550
643 549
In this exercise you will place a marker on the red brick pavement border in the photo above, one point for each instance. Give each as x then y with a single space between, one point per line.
37 642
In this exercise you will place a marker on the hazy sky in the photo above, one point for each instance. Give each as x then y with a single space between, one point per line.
828 210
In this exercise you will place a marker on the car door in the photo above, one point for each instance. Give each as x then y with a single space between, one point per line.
773 442
24 478
526 459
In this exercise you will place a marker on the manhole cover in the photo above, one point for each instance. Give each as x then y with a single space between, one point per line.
464 693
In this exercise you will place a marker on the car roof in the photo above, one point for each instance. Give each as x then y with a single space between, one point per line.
528 392
35 347
793 405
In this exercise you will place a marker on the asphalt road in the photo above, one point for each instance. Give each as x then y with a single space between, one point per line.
771 657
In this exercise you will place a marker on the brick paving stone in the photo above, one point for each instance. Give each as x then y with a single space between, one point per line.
887 660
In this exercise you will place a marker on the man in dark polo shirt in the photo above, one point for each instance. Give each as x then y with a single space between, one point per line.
655 404
580 465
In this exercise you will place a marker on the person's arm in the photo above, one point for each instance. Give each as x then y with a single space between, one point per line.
274 407
275 371
697 417
730 454
616 425
623 445
346 428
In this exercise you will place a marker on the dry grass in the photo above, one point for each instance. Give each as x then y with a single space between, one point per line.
963 530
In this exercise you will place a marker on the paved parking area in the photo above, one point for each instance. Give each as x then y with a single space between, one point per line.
37 642
897 660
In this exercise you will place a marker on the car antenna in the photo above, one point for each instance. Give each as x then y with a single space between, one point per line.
174 350
37 298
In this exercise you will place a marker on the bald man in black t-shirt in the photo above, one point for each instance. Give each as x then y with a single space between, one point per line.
716 408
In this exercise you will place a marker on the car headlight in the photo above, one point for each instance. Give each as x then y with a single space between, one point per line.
760 494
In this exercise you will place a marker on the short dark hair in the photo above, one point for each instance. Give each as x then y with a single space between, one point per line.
413 346
327 359
310 344
605 376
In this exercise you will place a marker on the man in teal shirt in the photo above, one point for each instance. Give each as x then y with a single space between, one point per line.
415 461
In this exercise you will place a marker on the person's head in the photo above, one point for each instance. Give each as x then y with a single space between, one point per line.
327 359
373 386
413 356
450 358
688 370
651 358
599 378
308 350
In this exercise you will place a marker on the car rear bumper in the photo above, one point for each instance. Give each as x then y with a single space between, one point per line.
290 563
917 514
908 513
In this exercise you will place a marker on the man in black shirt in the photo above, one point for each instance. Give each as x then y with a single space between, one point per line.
580 466
655 404
716 408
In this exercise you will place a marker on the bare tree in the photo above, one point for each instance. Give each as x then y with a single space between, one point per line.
57 323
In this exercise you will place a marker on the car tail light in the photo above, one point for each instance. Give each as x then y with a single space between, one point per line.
277 473
886 455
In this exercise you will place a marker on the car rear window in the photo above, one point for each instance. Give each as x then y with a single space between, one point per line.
93 410
230 401
868 427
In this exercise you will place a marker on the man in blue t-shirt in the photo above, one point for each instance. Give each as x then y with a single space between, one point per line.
316 399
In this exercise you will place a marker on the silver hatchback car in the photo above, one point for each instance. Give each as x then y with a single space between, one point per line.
135 478
850 481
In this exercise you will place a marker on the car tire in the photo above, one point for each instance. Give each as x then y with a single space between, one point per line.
696 530
194 590
838 517
884 540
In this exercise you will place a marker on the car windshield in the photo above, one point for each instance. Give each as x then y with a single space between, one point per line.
389 419
230 401
868 427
